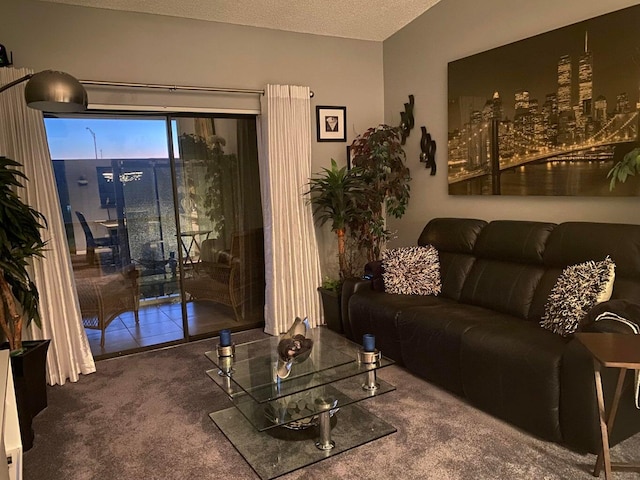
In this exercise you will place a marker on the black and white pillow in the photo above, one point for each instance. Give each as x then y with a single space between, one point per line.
412 270
576 291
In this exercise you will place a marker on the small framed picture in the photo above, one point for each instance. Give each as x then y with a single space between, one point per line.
331 122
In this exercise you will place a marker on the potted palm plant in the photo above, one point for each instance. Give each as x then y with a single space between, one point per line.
335 194
20 242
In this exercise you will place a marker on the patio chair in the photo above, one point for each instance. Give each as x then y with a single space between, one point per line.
93 242
102 299
224 276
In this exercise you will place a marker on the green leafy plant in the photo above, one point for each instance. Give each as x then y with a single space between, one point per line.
332 284
20 241
216 199
336 195
628 166
381 163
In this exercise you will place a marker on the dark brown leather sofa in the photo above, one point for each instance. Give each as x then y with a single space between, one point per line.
481 338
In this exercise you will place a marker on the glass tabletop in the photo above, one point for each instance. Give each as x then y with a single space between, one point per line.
253 370
317 399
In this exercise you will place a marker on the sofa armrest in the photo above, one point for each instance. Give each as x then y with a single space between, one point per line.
609 325
613 316
349 287
373 271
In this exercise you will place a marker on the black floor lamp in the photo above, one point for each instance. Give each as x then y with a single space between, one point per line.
52 91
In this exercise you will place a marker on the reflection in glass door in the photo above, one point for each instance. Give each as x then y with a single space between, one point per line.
164 226
220 222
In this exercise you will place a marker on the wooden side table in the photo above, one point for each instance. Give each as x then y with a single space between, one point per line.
611 350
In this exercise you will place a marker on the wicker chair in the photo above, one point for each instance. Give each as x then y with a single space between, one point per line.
102 299
223 276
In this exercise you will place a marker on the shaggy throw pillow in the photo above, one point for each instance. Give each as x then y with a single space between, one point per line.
412 271
579 288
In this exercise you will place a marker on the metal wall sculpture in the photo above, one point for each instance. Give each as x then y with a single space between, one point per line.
428 148
407 120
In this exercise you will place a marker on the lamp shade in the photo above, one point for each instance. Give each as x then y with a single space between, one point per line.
53 91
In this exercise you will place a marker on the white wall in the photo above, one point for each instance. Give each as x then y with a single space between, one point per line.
415 62
98 44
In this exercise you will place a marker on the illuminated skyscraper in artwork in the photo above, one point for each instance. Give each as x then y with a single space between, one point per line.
585 78
600 110
564 84
622 103
522 99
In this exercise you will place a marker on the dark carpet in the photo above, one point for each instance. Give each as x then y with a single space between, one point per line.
145 416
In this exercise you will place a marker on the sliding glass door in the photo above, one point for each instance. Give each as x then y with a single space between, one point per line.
220 222
164 224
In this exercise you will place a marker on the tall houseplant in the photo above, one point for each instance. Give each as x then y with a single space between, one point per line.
336 195
20 242
380 159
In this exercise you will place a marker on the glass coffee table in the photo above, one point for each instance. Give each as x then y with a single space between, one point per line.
282 424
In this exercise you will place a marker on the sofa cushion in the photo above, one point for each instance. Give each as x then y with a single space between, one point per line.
513 241
411 270
576 242
509 266
577 290
502 286
454 269
430 338
513 372
377 313
457 235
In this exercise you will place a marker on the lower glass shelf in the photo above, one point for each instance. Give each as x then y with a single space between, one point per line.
277 451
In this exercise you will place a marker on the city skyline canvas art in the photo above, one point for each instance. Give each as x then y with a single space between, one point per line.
547 115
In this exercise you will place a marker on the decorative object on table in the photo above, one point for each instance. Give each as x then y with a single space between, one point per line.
428 147
225 351
296 413
381 160
21 242
293 347
407 120
369 357
369 342
525 128
331 124
225 338
225 348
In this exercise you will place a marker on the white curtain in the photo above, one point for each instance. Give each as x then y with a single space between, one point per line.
292 264
22 138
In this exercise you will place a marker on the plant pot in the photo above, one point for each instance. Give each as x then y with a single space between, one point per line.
30 380
332 309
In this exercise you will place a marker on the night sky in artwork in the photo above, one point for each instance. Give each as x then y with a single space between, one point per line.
531 64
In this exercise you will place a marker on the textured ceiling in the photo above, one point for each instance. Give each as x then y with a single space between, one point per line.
361 19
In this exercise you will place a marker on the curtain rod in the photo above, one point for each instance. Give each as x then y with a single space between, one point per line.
248 91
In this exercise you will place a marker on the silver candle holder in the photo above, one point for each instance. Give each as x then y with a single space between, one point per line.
370 360
225 365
